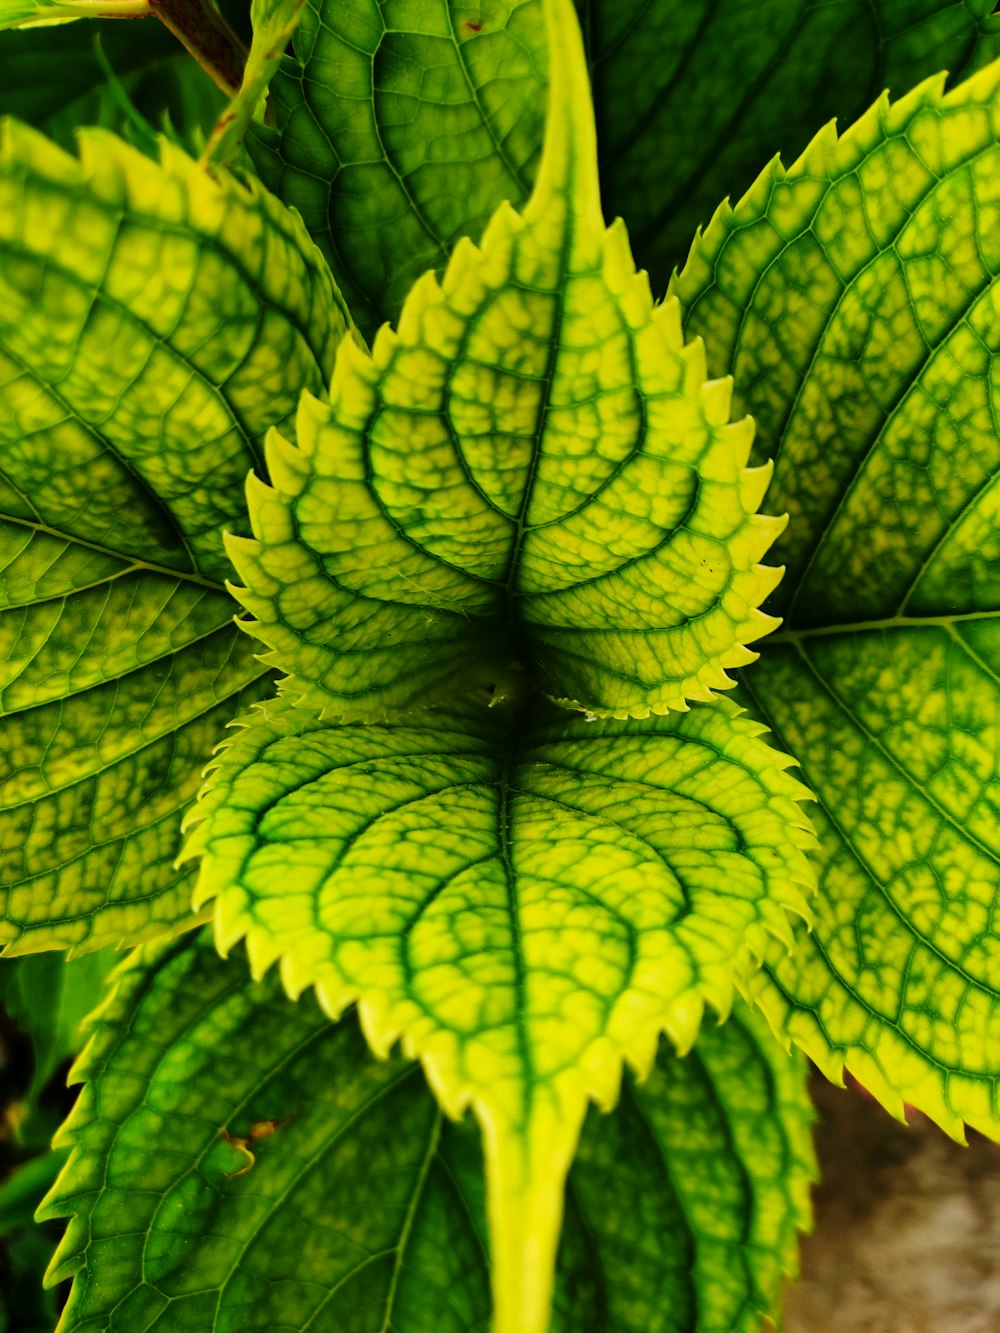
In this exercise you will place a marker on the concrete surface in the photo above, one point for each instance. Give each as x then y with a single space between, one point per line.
907 1231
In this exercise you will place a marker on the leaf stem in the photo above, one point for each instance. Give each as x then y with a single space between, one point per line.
105 9
202 30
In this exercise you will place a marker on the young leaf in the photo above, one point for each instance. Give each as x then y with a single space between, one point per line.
877 396
153 325
530 477
524 900
274 21
357 1206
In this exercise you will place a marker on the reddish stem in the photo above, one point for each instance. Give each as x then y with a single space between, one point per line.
199 26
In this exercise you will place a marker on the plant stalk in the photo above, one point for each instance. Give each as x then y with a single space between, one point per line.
202 30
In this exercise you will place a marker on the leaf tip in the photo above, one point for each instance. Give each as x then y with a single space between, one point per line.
568 168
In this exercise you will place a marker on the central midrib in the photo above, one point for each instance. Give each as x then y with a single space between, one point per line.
510 575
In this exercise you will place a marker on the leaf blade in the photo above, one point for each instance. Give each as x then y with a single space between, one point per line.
530 477
452 100
49 999
388 161
524 912
142 347
413 1250
716 90
881 419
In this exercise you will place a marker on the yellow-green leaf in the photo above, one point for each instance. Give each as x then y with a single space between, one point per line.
153 325
856 297
529 479
525 899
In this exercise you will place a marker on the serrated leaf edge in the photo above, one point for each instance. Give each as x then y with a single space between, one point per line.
356 369
826 153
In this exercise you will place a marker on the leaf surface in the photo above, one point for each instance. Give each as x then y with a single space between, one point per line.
451 98
525 902
364 1210
710 90
403 127
153 325
877 395
529 484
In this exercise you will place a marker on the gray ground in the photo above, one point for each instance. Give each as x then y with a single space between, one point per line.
907 1233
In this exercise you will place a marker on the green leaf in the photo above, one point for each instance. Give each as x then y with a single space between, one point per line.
682 1206
58 85
48 999
403 128
274 21
877 394
524 900
529 481
153 325
405 125
709 90
52 73
364 1210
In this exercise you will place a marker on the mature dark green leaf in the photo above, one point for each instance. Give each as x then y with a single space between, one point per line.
401 129
695 96
339 1200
